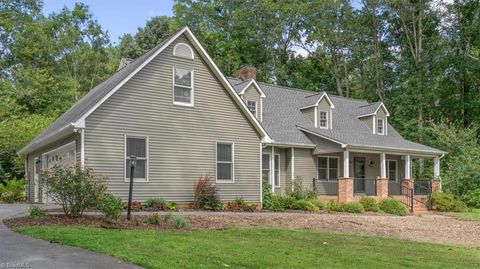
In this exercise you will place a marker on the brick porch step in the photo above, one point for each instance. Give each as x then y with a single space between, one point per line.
418 208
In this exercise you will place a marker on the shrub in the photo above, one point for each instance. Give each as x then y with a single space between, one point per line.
472 198
36 212
333 206
73 188
8 197
288 201
178 221
369 204
445 202
167 217
239 205
392 206
305 205
154 204
240 201
153 219
353 207
267 195
205 193
14 191
317 203
299 192
276 204
111 207
171 206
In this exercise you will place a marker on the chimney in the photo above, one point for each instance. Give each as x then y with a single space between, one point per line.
246 73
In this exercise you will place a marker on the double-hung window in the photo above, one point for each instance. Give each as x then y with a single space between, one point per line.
276 170
323 121
182 86
225 162
380 127
266 167
327 168
392 170
252 106
136 146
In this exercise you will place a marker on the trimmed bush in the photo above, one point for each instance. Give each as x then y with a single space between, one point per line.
36 212
472 198
154 204
111 207
153 219
445 202
369 204
74 188
392 206
353 207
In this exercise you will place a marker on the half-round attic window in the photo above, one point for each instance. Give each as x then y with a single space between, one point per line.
183 50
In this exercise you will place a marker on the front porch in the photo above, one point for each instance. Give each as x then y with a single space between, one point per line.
350 175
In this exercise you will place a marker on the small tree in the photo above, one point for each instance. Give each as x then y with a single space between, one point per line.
205 193
74 188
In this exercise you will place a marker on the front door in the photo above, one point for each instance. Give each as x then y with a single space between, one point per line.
359 174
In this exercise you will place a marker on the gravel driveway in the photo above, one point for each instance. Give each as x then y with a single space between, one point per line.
18 251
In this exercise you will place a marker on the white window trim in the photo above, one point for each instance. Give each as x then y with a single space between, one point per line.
277 168
383 126
269 167
396 169
232 162
328 166
191 104
326 119
147 158
256 107
175 50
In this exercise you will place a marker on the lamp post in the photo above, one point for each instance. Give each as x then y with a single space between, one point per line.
133 160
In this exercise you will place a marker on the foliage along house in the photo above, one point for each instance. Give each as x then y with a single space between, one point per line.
181 117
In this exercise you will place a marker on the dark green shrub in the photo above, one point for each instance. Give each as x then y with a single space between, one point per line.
178 221
171 206
217 205
305 205
472 198
36 212
111 207
154 204
369 204
288 201
153 219
240 201
392 206
445 202
333 206
276 204
74 188
353 207
267 195
14 191
317 203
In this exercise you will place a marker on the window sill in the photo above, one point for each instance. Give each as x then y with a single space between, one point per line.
183 104
137 180
225 181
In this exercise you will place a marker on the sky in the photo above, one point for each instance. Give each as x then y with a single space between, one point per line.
120 16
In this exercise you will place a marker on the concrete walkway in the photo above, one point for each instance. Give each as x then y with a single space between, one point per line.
19 251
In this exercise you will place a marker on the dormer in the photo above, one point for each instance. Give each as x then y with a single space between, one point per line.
376 117
319 108
251 92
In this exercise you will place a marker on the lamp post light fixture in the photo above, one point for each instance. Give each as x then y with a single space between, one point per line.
133 160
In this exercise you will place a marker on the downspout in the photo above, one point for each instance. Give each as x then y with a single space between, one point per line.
81 131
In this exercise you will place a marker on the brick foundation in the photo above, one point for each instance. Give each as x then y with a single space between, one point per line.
382 188
435 185
345 190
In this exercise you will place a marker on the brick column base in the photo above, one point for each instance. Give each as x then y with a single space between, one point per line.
435 185
345 189
382 187
407 183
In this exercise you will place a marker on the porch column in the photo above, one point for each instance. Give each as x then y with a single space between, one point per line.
436 168
383 165
292 166
408 167
346 166
272 169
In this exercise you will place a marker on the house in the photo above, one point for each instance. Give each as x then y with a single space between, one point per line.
181 117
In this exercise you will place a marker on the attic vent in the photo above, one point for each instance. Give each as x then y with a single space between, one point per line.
183 50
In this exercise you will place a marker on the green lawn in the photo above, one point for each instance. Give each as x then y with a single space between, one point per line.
258 248
470 214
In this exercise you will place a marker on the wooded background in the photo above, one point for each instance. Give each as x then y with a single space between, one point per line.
422 58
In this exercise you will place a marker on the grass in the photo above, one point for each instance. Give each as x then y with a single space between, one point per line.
258 248
469 214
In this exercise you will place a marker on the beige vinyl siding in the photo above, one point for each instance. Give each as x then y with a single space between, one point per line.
38 153
310 112
305 166
182 140
368 121
324 146
252 94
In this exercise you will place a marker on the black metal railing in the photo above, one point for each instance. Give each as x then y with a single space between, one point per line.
325 187
423 192
365 186
406 195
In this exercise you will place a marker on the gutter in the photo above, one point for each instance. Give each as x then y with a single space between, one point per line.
28 148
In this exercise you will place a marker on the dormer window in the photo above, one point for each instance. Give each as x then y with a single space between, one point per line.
323 121
380 126
183 50
252 106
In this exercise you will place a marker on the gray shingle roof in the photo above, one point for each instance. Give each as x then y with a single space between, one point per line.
283 120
